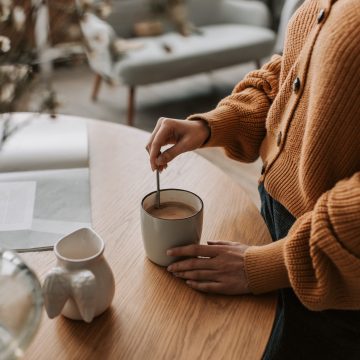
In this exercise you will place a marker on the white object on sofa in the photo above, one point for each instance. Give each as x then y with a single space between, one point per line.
99 35
232 32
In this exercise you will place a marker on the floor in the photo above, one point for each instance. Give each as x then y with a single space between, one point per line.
176 99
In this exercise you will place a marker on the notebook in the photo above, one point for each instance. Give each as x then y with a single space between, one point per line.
44 184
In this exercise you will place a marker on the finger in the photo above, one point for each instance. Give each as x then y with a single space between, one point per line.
194 251
191 264
198 275
206 286
170 154
155 149
161 168
165 136
156 129
210 242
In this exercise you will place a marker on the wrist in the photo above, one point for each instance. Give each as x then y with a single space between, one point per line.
205 130
265 267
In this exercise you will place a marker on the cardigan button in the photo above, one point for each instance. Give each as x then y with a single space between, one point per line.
263 168
278 140
296 85
321 16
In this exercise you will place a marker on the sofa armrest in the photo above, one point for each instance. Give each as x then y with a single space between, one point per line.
246 12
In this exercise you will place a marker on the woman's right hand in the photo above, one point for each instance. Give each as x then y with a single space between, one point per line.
183 134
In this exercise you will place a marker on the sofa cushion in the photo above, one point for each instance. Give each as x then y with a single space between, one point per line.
205 12
218 46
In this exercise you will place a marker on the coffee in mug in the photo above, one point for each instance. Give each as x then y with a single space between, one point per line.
177 222
171 210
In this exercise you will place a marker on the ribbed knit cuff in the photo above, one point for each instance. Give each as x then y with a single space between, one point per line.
221 121
265 267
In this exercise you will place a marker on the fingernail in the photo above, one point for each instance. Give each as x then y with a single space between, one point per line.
169 252
160 160
169 268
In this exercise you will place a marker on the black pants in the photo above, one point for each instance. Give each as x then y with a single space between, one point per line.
299 333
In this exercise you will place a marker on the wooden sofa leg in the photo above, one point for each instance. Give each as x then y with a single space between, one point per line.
96 87
131 106
258 64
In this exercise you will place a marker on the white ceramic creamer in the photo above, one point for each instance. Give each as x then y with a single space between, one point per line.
82 284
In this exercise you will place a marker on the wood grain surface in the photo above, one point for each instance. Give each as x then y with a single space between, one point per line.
155 315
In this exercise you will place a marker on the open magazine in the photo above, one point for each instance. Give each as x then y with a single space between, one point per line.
44 183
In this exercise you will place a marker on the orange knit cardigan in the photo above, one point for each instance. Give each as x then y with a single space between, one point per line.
301 113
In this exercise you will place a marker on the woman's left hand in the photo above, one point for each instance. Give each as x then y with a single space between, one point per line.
214 268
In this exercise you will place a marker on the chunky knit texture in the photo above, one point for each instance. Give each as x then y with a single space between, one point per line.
301 113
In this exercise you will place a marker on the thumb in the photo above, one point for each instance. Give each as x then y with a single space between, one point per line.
169 154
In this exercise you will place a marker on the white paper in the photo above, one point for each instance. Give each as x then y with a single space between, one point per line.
62 205
58 227
17 201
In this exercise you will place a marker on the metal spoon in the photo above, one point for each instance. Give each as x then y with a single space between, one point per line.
157 203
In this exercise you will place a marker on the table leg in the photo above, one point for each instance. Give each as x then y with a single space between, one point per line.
131 106
96 87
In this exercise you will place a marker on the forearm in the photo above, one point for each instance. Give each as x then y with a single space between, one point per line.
238 122
320 257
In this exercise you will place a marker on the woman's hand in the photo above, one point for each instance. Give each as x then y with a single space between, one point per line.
184 135
214 268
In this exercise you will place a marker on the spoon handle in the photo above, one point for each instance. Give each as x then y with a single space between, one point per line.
157 189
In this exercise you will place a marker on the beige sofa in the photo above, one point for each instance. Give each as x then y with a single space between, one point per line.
231 32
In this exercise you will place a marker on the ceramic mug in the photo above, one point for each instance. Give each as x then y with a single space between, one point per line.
82 284
160 234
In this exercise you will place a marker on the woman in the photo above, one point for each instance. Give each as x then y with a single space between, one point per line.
301 113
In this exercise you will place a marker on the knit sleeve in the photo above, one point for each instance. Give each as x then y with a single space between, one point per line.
320 257
238 122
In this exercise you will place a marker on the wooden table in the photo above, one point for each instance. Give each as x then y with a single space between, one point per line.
155 315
